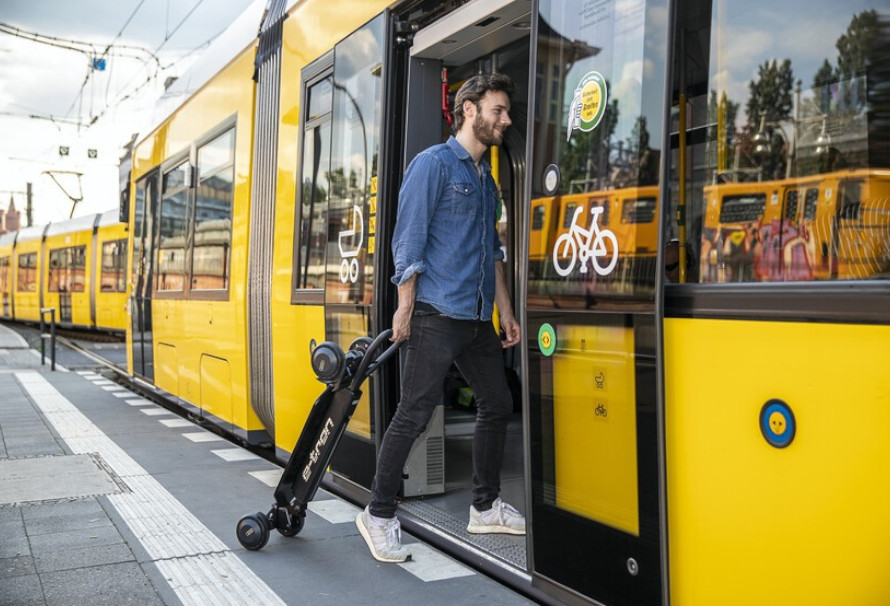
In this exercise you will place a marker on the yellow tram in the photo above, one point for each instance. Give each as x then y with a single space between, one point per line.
75 267
677 438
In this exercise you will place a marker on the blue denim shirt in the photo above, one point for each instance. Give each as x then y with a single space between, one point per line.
446 233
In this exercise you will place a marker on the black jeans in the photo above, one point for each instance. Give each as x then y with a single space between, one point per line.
436 342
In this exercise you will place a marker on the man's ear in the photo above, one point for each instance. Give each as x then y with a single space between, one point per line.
469 109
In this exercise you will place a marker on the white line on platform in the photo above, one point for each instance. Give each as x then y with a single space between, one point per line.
334 511
138 402
235 454
203 436
198 566
86 373
123 394
427 564
101 381
155 412
177 422
113 388
269 477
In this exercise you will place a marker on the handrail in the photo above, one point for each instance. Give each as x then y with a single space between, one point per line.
52 336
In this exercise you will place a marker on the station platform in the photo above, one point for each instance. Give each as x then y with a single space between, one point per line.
109 498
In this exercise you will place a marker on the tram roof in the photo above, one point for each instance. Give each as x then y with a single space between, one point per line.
239 35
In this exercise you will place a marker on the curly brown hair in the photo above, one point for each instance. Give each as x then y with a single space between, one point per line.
475 88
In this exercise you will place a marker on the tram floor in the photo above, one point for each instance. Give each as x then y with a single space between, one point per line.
449 511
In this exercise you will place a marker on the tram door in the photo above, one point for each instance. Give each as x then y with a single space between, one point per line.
350 278
590 312
142 259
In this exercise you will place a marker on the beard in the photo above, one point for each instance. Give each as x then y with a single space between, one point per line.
485 131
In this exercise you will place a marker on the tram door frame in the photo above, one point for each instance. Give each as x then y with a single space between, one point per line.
572 552
354 461
140 297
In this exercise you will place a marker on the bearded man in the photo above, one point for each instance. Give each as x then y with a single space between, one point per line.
449 272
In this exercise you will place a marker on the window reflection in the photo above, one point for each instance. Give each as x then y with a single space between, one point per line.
358 91
114 266
211 256
26 278
67 269
316 187
172 231
598 118
785 141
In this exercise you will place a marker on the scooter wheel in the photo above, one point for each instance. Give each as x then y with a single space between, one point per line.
295 527
253 531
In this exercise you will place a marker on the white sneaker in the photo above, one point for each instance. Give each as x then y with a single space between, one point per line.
501 518
383 536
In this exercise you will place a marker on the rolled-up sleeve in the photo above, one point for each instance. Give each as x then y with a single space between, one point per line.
418 196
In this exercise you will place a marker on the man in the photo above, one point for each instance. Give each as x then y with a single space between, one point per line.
449 272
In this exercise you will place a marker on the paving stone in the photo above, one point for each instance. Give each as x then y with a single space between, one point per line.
81 537
24 591
16 567
82 557
113 585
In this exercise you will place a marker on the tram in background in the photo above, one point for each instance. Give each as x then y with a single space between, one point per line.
77 267
678 441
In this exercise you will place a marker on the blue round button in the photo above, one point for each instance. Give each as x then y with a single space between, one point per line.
777 423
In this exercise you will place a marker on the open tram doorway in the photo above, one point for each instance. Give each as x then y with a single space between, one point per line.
478 37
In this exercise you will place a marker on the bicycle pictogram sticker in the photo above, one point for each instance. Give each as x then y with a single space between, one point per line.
590 244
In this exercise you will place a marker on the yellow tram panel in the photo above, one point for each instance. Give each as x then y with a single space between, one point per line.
110 273
7 242
200 336
312 29
26 264
594 424
805 523
66 274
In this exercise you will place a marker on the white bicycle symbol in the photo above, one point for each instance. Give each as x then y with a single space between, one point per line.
590 241
350 244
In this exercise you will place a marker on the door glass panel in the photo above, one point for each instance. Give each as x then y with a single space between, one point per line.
358 88
599 120
593 244
784 105
173 229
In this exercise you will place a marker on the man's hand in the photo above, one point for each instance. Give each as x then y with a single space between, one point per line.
511 330
401 323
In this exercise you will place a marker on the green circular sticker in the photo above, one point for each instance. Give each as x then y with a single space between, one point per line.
547 339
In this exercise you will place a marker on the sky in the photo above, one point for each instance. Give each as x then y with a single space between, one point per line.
51 97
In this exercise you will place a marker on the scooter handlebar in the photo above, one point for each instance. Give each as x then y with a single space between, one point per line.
370 363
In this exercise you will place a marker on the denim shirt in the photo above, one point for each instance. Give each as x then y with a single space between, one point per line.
446 234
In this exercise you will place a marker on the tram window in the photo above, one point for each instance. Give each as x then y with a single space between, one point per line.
569 214
850 200
4 274
67 269
77 274
211 255
805 118
114 265
355 145
173 229
27 273
58 271
538 213
811 199
315 188
742 209
638 210
791 205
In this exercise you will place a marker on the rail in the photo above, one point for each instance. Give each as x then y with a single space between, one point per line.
51 336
